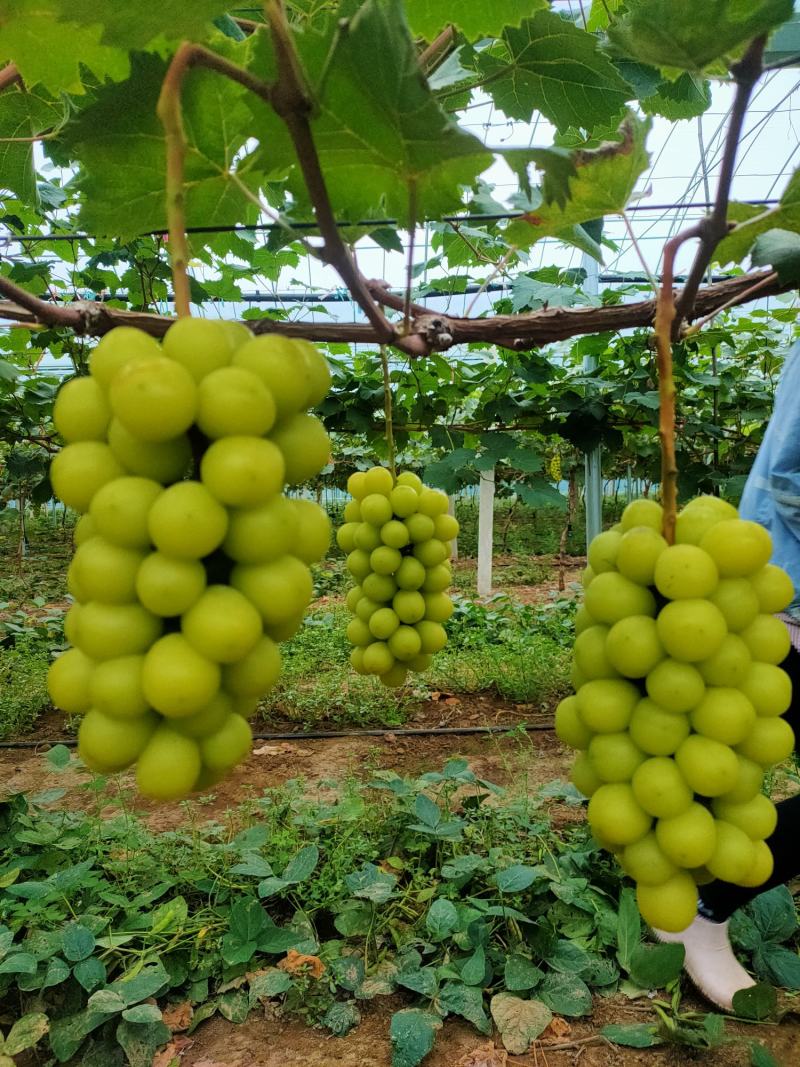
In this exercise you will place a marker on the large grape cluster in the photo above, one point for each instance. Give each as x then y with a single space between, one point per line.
191 564
397 536
678 701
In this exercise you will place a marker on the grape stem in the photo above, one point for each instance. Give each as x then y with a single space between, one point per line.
387 408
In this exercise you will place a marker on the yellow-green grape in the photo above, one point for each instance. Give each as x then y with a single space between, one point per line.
233 400
120 510
660 788
768 639
411 574
242 472
352 511
738 547
383 623
692 524
688 839
736 599
380 587
644 861
757 817
656 731
282 366
638 552
357 660
770 741
106 744
359 633
642 512
207 720
376 509
432 502
168 586
729 664
438 607
734 853
118 347
409 605
445 527
106 631
587 576
420 528
358 564
261 534
570 728
356 485
614 756
71 624
80 469
68 681
395 676
163 461
366 608
763 865
154 399
420 663
675 686
237 332
768 688
437 578
633 646
394 534
583 620
616 816
227 746
187 522
305 445
612 597
576 676
685 571
591 655
320 374
106 572
81 411
691 630
202 346
346 536
709 766
404 500
116 688
385 560
773 588
606 704
313 536
603 551
84 529
377 658
280 590
222 625
431 553
405 643
177 680
169 766
378 480
670 906
432 635
368 537
409 478
583 775
749 782
256 673
719 507
353 598
724 714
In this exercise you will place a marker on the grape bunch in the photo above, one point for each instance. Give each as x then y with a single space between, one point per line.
397 536
191 564
678 701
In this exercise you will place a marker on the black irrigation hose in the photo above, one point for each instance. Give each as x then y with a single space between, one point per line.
322 735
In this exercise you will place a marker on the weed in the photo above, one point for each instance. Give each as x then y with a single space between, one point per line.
23 670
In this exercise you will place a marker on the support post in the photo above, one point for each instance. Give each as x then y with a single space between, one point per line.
451 510
485 532
593 483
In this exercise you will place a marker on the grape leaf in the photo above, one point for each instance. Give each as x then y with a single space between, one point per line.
600 15
786 216
476 18
24 114
690 36
685 98
605 181
134 26
557 68
779 249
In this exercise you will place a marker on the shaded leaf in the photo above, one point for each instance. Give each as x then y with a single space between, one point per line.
755 1002
521 974
466 1001
371 883
77 942
566 994
653 966
412 1033
515 879
140 1041
90 973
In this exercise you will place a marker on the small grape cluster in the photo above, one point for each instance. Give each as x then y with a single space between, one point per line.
397 535
191 564
678 702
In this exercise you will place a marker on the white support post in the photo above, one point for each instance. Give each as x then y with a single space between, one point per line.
593 485
451 510
485 532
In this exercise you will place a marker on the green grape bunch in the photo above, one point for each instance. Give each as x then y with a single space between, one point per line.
678 699
397 535
191 564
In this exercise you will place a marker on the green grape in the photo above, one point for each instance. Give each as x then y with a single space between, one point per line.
756 817
383 623
206 721
106 572
633 647
380 587
432 635
356 485
404 500
377 658
409 605
773 588
237 332
729 665
319 372
763 865
614 756
242 472
154 399
394 534
675 686
672 905
169 766
202 346
358 565
570 727
603 551
688 839
378 480
353 598
346 536
749 781
368 537
738 547
176 679
222 625
438 607
420 528
106 631
187 522
767 638
106 744
445 527
71 624
256 673
583 775
715 504
692 524
69 681
405 643
409 478
591 654
81 411
118 347
411 574
261 534
305 446
606 704
736 599
357 660
770 741
638 553
642 512
120 510
709 766
430 553
420 663
437 579
80 469
366 608
395 676
587 577
352 511
768 688
432 502
280 590
724 714
660 788
116 689
644 861
615 815
168 586
313 536
282 366
376 509
230 744
232 401
385 560
734 853
84 529
691 630
685 572
163 461
656 731
611 597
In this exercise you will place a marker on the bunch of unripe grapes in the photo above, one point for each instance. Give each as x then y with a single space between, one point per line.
397 535
191 564
678 702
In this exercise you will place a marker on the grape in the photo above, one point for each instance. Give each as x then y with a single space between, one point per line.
660 788
603 551
378 480
709 766
106 572
773 588
644 861
411 574
120 509
612 597
357 660
606 704
591 655
642 513
675 686
738 547
733 855
432 635
106 744
445 527
409 478
116 688
432 502
71 624
583 775
656 731
736 599
222 625
282 366
409 605
749 781
394 534
672 905
358 564
356 485
106 631
242 472
68 681
352 511
691 630
724 714
376 509
202 346
569 726
377 658
368 537
767 638
346 536
729 665
163 461
255 673
237 333
420 528
81 411
395 676
770 741
80 469
616 816
757 817
228 745
688 839
685 571
280 590
380 587
405 643
118 347
638 552
716 505
430 553
587 576
366 608
763 865
768 688
319 372
383 623
168 586
438 607
177 680
633 646
258 535
437 579
169 766
313 537
231 401
305 445
154 399
614 756
206 721
385 560
187 522
84 529
692 524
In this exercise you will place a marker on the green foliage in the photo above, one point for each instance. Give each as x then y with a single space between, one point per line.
23 669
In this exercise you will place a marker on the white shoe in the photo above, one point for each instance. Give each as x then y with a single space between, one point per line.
709 961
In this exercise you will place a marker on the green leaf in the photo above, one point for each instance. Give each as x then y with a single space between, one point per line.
58 757
778 964
632 1035
18 963
779 249
427 811
442 919
466 1001
515 879
412 1033
521 974
422 981
276 940
653 966
171 915
774 914
90 973
786 216
146 983
689 36
141 1041
478 18
557 68
273 983
760 1056
371 883
348 972
107 1001
254 865
301 866
566 994
600 15
26 1032
142 1013
24 115
519 1021
133 27
340 1018
605 181
629 928
56 973
234 1005
77 942
755 1002
685 98
474 969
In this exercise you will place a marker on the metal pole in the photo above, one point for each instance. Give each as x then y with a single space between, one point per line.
593 489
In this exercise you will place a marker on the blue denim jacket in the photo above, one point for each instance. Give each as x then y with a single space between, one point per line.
772 493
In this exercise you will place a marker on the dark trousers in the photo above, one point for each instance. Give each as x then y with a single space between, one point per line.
721 899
